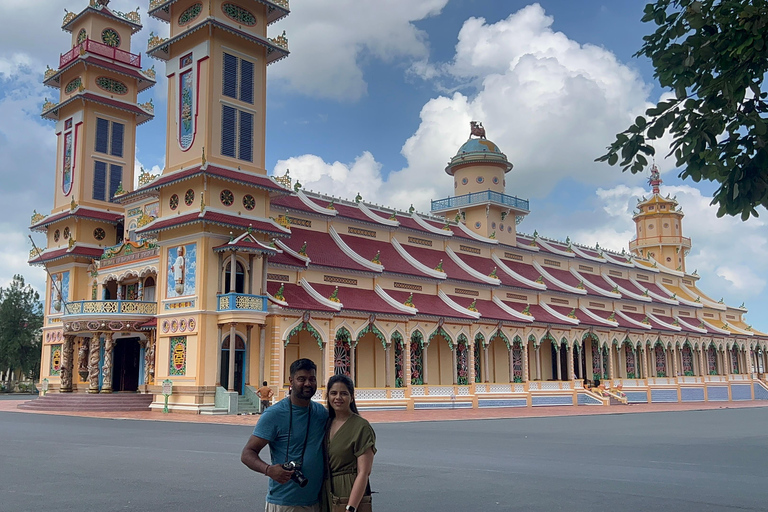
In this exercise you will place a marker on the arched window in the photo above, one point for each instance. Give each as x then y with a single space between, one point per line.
239 278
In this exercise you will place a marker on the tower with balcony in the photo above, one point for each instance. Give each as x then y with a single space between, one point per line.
97 82
659 228
479 172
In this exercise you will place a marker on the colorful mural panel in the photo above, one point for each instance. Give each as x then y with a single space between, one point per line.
66 175
55 370
517 363
182 263
630 357
186 110
178 356
687 357
462 362
59 292
478 355
341 356
661 361
417 359
712 360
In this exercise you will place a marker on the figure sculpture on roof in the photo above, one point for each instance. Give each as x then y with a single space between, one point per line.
476 129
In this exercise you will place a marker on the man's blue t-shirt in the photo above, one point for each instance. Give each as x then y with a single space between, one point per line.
273 426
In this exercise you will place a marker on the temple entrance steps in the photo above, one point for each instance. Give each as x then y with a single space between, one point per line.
245 406
587 397
90 402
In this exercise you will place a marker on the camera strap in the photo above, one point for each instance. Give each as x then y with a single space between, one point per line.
290 429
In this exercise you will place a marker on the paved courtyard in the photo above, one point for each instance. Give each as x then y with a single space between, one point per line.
711 460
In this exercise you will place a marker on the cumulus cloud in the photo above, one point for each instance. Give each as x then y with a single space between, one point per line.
330 41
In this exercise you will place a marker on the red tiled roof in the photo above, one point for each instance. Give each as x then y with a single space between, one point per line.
540 315
292 202
87 252
322 250
389 257
297 297
428 304
121 105
485 266
580 315
357 299
590 252
487 308
149 324
351 212
529 272
567 278
652 287
598 281
283 258
246 246
82 213
430 258
638 317
627 285
144 81
223 219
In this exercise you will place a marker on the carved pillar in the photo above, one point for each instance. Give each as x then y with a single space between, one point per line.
246 358
485 360
232 350
152 350
581 360
119 291
526 376
644 356
232 275
352 360
538 362
93 364
558 348
511 363
140 291
674 362
471 361
67 354
262 351
611 364
455 370
82 359
387 365
425 364
569 356
106 370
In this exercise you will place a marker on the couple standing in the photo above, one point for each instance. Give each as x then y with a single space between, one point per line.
332 449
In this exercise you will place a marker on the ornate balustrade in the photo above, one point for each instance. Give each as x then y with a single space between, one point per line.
101 49
480 198
111 307
242 302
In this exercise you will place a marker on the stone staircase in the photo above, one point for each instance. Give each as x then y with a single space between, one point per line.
616 401
245 406
116 402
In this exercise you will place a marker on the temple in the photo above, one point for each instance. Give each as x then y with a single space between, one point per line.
212 277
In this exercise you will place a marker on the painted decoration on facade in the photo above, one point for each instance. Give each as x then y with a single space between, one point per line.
517 363
238 14
82 36
73 85
661 361
186 110
66 174
59 292
178 356
595 361
111 85
605 362
399 363
630 356
712 361
110 38
190 15
478 355
462 362
152 210
55 360
342 359
687 357
734 360
182 263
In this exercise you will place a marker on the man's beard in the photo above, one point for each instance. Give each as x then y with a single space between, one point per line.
303 393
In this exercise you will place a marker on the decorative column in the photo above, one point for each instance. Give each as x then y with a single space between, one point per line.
232 349
152 349
140 291
569 356
388 364
262 351
232 276
581 360
704 365
352 361
558 348
106 369
611 374
511 364
93 363
538 362
425 363
471 361
119 291
455 371
526 375
644 356
485 366
82 359
67 354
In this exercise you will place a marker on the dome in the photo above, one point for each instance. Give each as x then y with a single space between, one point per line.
478 151
479 146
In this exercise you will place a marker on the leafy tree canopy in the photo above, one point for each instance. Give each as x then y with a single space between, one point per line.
21 322
714 55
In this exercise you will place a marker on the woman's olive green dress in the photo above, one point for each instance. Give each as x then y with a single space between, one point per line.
352 439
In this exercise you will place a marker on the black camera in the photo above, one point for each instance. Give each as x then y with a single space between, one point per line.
297 475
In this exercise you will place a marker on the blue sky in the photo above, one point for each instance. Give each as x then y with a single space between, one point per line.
376 97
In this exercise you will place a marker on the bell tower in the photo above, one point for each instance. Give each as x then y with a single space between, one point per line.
216 61
479 180
659 228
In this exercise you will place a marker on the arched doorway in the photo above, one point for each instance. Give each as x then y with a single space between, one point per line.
126 362
370 359
239 364
304 342
498 359
439 359
149 289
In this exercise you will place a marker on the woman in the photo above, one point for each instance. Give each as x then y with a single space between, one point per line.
351 444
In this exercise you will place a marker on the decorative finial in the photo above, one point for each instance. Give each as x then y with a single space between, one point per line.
473 306
250 229
231 237
330 205
203 155
476 129
279 294
335 295
358 198
439 266
493 273
409 301
303 250
527 310
377 259
296 186
655 179
411 209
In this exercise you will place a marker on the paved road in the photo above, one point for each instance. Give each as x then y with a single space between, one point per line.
680 461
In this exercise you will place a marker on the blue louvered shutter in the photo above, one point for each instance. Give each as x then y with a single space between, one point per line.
102 135
228 130
117 139
115 177
99 181
229 87
246 81
246 137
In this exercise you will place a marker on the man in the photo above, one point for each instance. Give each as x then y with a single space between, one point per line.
265 394
294 429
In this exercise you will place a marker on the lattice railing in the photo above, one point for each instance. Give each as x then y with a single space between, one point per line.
111 307
242 302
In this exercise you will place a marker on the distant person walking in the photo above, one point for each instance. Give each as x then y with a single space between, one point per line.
265 394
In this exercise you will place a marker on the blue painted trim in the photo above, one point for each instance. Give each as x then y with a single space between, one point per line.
232 302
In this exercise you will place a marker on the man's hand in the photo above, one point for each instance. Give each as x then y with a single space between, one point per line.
278 474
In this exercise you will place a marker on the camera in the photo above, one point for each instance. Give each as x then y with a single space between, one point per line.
297 475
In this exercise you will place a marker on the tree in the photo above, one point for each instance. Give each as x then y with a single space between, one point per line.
714 55
21 322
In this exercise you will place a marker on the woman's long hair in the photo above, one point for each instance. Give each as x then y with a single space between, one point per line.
344 379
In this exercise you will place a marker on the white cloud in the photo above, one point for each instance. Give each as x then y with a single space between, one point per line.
331 39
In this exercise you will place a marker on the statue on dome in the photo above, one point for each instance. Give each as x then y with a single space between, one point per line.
476 129
655 175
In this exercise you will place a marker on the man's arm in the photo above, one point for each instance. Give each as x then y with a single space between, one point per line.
250 457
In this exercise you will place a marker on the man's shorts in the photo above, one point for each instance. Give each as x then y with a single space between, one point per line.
271 507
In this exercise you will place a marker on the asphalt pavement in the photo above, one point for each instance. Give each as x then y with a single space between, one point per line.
712 460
